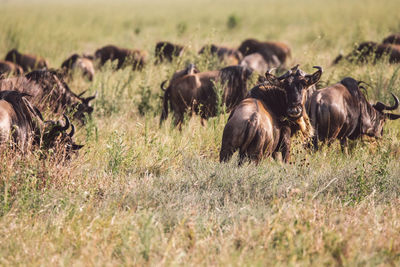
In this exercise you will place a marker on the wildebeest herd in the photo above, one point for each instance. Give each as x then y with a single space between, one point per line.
262 120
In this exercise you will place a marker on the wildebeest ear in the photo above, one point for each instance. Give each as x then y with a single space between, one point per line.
391 116
272 79
314 78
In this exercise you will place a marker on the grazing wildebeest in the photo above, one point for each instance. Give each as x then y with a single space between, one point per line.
197 91
263 124
48 91
9 68
342 112
274 53
126 57
224 54
257 63
167 51
26 61
80 63
370 52
392 39
22 126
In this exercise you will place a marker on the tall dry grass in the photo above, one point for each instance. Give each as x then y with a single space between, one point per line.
140 194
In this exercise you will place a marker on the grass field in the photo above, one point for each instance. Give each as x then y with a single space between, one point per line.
138 194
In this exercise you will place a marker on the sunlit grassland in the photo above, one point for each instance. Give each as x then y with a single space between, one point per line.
143 194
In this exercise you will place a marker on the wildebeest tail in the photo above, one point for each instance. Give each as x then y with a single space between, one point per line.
250 132
164 112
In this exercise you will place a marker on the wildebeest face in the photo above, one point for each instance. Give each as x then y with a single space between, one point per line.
83 108
55 136
375 127
295 83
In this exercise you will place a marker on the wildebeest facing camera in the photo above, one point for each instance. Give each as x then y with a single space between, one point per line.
199 133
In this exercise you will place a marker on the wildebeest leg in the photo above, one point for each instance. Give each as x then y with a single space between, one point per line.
343 145
178 119
315 140
284 143
202 121
242 158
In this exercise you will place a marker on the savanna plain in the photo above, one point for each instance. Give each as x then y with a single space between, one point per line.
141 194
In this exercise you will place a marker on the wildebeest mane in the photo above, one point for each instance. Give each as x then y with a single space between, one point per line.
352 86
54 87
234 78
272 96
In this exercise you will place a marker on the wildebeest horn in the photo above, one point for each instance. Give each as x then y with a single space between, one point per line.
270 71
59 128
318 68
362 82
295 68
162 85
380 106
67 123
90 98
284 76
72 132
81 94
76 147
396 103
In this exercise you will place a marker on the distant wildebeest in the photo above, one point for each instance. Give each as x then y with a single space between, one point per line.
48 91
80 63
275 54
26 61
190 69
342 112
392 39
167 51
22 127
9 68
370 52
263 124
126 57
224 54
199 92
257 63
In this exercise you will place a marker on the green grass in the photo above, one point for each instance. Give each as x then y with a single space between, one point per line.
140 194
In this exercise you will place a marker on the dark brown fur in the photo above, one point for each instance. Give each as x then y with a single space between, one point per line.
126 57
22 126
274 53
81 63
342 112
49 91
26 61
224 54
8 68
392 39
263 123
371 52
197 91
167 51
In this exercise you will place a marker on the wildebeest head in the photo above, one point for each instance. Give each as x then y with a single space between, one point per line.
11 55
295 83
373 127
84 107
60 95
55 136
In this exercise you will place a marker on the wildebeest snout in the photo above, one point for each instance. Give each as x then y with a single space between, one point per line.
295 111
